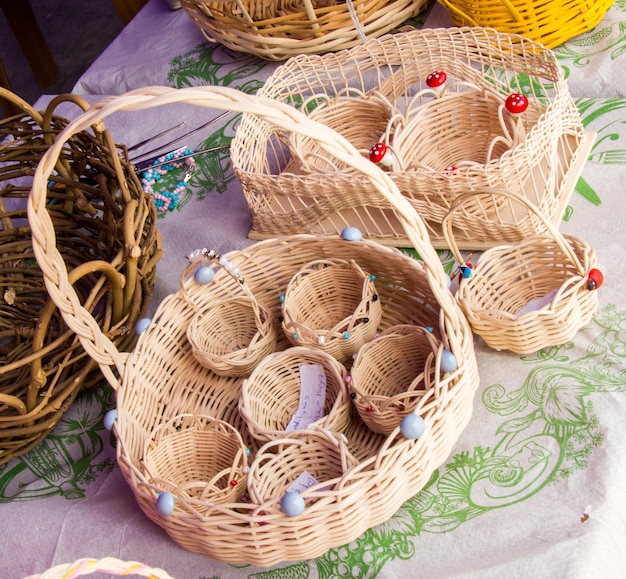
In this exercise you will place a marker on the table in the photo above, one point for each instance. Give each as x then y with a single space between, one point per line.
534 486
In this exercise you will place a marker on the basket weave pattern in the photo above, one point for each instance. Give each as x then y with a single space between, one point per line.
445 142
280 29
162 379
550 23
106 229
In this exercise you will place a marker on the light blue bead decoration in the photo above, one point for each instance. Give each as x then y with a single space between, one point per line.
372 277
448 361
346 335
204 274
165 504
292 504
412 426
352 234
142 325
109 418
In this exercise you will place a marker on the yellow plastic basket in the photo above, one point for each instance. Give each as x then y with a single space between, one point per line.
550 22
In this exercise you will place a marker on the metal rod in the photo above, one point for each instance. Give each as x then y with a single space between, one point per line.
154 137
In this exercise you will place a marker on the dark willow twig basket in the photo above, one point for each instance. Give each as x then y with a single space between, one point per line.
105 226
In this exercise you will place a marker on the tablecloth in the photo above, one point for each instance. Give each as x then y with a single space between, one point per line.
535 484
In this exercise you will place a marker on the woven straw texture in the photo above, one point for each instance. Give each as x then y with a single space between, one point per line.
106 230
550 22
279 29
108 566
161 378
445 141
547 267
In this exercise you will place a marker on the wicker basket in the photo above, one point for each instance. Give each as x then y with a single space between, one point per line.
449 141
551 23
271 397
233 335
394 375
530 295
106 229
279 29
331 305
197 457
160 379
108 565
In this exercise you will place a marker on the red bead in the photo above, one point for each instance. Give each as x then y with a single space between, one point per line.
516 103
369 409
233 483
594 279
436 79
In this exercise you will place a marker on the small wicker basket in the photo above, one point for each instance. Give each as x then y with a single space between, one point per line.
106 228
161 379
108 565
551 23
448 140
197 457
280 29
331 305
532 294
394 375
272 395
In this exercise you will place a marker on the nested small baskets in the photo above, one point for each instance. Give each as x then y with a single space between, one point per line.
106 230
551 23
449 139
532 294
332 305
394 375
162 379
197 457
279 29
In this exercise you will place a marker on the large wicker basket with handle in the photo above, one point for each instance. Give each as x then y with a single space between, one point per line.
446 140
279 29
106 231
550 23
161 378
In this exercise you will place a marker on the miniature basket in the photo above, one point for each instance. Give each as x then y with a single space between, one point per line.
108 565
160 379
197 457
106 229
279 29
231 336
292 186
271 397
394 375
530 295
331 305
551 23
310 462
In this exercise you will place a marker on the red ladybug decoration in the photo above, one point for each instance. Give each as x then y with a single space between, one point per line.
594 279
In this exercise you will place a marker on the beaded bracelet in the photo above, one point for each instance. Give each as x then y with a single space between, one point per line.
166 200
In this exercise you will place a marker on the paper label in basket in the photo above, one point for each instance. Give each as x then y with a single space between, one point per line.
312 396
303 482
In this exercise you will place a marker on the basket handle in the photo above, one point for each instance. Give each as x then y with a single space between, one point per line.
282 115
565 247
471 22
108 565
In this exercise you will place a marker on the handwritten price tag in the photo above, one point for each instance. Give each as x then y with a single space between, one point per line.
312 397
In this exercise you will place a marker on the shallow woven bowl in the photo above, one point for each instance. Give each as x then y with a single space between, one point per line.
160 379
393 376
197 457
288 193
280 29
331 305
106 229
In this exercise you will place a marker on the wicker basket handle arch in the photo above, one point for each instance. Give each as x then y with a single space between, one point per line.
284 116
515 197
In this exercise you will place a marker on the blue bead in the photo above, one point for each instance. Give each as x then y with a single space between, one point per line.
204 274
429 329
448 361
282 298
372 277
165 504
109 418
351 234
142 325
412 426
292 504
346 335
